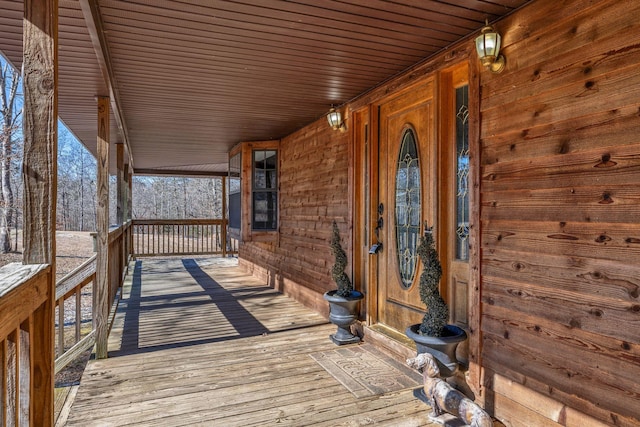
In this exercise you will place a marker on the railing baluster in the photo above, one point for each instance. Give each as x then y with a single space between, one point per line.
60 305
3 383
78 313
12 379
218 241
24 372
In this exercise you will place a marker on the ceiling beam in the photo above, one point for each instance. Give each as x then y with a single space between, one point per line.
92 17
178 173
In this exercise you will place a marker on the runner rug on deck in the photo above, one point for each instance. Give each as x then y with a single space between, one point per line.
366 371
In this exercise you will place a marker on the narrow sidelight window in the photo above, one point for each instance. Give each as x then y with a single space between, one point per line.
462 172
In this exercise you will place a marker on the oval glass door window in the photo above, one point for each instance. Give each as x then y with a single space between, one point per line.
408 204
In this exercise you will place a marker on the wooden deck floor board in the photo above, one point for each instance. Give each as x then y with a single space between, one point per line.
232 390
319 390
203 343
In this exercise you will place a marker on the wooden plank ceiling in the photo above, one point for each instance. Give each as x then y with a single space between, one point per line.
195 77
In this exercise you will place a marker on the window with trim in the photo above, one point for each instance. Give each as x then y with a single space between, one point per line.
264 192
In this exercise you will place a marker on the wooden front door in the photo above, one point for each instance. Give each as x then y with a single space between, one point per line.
406 196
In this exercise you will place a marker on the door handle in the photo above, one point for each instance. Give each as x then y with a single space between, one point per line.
377 247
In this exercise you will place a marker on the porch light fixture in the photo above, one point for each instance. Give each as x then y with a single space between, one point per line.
335 120
488 48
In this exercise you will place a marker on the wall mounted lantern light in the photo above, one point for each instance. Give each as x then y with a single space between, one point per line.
335 120
488 47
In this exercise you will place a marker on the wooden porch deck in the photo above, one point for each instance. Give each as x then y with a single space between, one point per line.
200 342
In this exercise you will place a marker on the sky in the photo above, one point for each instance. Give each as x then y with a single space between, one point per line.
66 139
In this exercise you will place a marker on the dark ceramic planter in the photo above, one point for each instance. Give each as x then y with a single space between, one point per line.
343 312
443 348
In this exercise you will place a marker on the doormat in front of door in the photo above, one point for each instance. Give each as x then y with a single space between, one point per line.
366 371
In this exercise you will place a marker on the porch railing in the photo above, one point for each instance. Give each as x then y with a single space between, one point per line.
28 308
75 308
71 313
153 237
26 325
119 253
27 328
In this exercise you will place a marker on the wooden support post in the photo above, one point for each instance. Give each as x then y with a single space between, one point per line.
224 216
130 196
101 291
126 198
130 209
126 210
40 127
120 184
40 132
121 198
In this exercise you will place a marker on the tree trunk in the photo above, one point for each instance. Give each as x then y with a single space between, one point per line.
7 197
8 91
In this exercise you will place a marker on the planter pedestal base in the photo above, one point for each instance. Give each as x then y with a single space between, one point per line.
343 313
344 336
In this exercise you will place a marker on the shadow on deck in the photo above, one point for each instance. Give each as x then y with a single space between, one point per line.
201 342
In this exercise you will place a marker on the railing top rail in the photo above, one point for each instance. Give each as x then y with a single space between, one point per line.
23 288
78 276
15 274
116 231
200 221
69 276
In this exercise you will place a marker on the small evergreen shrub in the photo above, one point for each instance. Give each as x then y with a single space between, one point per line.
437 314
337 271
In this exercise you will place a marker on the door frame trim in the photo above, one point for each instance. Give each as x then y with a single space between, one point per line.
369 215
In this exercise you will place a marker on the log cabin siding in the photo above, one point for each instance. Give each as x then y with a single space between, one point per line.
560 216
557 301
313 191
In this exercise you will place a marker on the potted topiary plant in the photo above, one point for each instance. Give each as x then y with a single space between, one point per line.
434 335
343 302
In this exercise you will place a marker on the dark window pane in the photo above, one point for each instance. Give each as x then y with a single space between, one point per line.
259 179
265 210
234 210
270 160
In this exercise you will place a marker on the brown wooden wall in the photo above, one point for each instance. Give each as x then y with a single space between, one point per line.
560 212
314 191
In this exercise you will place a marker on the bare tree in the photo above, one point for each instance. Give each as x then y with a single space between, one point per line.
9 83
176 198
76 184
